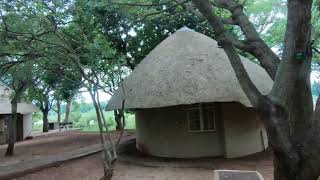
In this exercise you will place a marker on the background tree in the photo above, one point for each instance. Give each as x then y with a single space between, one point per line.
18 79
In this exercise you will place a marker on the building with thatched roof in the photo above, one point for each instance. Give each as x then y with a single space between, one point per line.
24 122
189 103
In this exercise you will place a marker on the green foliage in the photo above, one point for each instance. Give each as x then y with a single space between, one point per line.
269 19
85 119
315 88
134 31
67 45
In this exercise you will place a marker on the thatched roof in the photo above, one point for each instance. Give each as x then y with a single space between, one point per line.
186 68
5 103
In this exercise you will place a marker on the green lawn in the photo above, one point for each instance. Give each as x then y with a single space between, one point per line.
130 124
86 121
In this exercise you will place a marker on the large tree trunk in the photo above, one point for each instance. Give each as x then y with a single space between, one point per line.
12 123
118 117
305 171
68 110
292 91
287 112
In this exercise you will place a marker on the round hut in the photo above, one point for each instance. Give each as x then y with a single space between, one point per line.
188 102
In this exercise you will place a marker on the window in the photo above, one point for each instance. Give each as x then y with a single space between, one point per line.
201 118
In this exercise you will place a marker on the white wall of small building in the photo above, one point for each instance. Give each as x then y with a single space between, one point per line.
164 132
243 130
27 125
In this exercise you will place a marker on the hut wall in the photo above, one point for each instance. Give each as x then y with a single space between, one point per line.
164 132
3 133
27 125
244 132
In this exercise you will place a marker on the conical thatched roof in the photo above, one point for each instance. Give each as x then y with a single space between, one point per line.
186 68
5 103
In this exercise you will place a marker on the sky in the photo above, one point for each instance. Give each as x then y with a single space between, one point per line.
103 97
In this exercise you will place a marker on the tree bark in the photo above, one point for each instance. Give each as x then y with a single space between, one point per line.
68 110
12 124
254 43
45 121
287 111
118 116
45 111
59 113
108 171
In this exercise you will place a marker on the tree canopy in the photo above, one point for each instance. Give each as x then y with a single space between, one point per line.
51 50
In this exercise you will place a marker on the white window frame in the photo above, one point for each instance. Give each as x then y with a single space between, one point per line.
200 108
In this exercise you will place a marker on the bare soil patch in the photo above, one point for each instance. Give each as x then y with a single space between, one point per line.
50 144
90 167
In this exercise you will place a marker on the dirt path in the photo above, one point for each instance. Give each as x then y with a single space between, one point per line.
90 167
51 144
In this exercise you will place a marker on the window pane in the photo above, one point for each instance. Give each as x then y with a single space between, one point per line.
194 119
208 119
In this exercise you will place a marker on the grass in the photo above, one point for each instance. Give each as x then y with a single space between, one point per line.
87 121
130 124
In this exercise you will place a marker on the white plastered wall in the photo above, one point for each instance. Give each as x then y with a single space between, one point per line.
27 125
244 131
164 132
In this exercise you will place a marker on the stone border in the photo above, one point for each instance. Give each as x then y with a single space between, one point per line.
217 176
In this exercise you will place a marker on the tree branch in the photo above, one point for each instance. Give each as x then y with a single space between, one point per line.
258 48
165 9
141 5
247 85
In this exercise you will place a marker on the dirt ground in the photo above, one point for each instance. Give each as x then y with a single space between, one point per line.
90 167
50 144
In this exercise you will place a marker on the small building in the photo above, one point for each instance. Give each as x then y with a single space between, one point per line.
188 102
24 122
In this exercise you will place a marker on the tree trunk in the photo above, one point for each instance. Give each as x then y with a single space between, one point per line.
287 111
45 126
45 112
68 109
59 113
282 170
118 116
12 123
108 171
